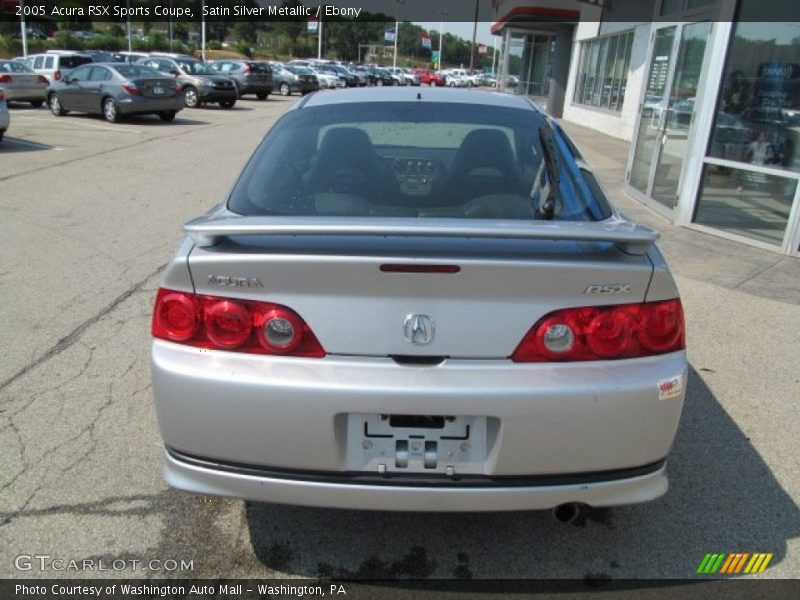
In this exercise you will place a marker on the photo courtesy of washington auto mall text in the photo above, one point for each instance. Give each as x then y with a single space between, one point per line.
193 589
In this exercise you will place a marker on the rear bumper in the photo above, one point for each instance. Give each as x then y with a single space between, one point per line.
209 478
25 94
5 120
146 105
256 88
278 415
217 95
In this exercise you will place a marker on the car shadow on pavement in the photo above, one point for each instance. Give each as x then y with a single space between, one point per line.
12 144
14 106
217 107
723 497
155 120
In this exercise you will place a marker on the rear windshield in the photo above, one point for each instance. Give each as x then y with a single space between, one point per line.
404 159
259 68
71 62
195 67
132 71
12 66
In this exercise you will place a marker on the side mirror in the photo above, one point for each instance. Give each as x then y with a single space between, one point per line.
174 72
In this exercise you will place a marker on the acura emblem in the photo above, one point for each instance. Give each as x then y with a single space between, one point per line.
419 329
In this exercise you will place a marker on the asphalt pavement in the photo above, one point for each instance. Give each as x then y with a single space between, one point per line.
91 213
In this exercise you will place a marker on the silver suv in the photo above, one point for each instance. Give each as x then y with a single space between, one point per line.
199 82
54 64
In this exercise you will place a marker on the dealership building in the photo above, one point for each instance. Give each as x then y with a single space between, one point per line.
706 91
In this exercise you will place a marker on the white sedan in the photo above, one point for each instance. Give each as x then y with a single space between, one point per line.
456 78
328 81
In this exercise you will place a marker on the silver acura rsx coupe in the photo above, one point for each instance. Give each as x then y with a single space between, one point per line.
422 301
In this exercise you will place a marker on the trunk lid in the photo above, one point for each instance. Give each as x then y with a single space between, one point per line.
159 88
22 81
345 286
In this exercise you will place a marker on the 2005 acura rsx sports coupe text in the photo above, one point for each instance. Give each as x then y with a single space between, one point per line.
418 300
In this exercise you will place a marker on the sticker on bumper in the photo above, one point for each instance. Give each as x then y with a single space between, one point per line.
670 388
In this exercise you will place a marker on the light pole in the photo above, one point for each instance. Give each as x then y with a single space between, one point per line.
474 35
23 32
441 35
203 33
128 25
170 26
319 37
397 31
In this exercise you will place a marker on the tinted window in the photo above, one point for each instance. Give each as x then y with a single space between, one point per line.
410 159
81 74
259 68
103 57
131 71
10 66
100 74
195 67
70 62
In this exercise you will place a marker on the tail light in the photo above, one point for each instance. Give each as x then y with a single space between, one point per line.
57 75
605 333
220 323
5 78
43 79
2 96
131 89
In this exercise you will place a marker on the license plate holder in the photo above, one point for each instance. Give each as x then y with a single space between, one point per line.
158 91
416 444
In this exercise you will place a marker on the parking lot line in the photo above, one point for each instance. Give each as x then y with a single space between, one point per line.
89 125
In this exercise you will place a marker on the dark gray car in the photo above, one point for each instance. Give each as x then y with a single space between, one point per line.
249 76
290 78
199 82
115 90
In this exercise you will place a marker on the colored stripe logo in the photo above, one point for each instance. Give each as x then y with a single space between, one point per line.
733 563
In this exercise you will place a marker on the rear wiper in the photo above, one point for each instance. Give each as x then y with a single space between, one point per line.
551 162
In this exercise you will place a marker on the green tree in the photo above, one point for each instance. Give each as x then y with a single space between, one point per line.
289 28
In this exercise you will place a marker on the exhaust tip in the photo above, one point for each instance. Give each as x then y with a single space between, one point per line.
567 513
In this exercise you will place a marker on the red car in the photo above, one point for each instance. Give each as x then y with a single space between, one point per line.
429 77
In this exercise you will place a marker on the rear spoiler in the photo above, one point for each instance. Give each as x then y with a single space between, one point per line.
209 230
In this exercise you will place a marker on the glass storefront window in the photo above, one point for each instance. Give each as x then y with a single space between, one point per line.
758 117
756 129
528 65
603 71
746 203
669 7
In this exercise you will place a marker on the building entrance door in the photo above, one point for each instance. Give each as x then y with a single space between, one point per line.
664 128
